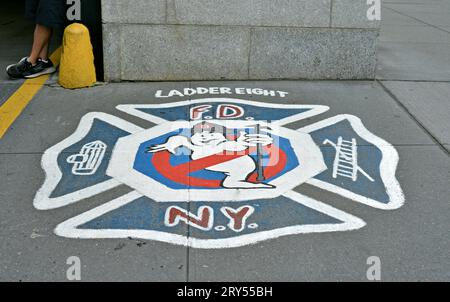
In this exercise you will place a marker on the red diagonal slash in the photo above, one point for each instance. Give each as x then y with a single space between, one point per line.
180 173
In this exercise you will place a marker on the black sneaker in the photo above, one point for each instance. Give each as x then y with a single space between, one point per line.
16 71
42 67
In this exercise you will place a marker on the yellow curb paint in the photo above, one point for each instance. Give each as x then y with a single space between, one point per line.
13 107
77 68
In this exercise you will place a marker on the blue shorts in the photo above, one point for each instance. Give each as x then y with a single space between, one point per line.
50 13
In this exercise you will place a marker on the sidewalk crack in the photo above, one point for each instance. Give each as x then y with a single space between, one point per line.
418 20
399 103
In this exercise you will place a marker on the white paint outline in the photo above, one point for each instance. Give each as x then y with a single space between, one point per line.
122 161
53 174
69 229
388 165
98 158
132 109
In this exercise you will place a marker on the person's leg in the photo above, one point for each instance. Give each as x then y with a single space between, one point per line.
42 35
44 52
37 63
47 14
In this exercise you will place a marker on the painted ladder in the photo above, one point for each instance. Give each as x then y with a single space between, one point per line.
346 159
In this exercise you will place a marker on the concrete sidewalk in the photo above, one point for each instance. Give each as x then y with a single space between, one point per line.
407 106
414 62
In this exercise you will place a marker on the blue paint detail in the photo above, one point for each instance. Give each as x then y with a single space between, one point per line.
369 159
143 162
258 113
146 214
70 183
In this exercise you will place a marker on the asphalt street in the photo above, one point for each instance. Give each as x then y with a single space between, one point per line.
407 106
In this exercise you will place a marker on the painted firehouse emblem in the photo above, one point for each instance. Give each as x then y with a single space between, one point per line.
217 173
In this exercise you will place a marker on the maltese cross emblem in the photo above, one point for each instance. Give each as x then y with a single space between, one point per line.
217 173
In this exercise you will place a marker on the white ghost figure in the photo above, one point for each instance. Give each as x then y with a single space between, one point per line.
209 139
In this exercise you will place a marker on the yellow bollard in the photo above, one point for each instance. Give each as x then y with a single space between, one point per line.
77 68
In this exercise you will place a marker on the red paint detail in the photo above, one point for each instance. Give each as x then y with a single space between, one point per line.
196 111
181 173
275 166
189 217
237 217
223 109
